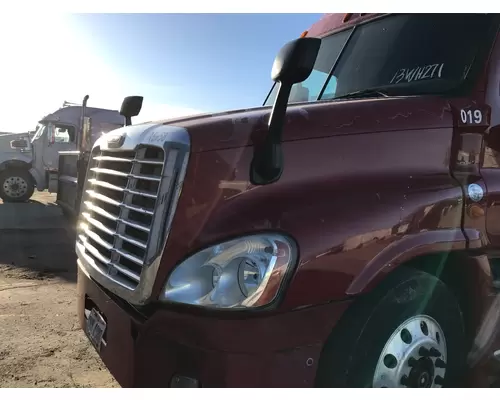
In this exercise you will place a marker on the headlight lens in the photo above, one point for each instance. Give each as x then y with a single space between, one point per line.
242 273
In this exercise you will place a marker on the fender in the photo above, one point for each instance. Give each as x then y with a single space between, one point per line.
22 164
403 250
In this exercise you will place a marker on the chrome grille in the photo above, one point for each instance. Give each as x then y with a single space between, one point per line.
118 209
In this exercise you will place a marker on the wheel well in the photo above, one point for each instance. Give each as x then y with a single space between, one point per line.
15 164
453 269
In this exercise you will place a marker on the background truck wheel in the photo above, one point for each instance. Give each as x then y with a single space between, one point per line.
16 185
407 333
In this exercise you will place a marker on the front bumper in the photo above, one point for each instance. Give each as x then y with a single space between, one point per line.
282 350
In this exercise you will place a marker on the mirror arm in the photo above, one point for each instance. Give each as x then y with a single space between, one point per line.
267 162
278 112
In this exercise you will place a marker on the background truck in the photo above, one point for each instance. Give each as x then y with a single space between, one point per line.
344 234
26 164
73 164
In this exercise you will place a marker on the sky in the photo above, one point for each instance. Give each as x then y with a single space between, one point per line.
181 63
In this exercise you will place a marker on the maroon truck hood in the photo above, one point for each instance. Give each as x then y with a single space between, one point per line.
313 120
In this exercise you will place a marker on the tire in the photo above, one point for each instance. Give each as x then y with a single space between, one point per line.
355 354
16 185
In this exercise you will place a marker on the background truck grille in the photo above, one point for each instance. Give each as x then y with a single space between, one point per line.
118 210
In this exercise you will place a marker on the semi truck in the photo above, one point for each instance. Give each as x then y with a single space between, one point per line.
344 234
31 161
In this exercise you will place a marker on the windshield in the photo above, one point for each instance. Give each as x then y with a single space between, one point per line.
404 54
39 132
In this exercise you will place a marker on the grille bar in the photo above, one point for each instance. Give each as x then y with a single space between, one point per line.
117 203
109 172
133 241
115 218
107 185
130 257
91 249
100 211
97 224
98 239
150 162
117 159
110 232
118 173
124 271
134 225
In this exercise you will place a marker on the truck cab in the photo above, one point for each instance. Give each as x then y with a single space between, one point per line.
34 163
342 235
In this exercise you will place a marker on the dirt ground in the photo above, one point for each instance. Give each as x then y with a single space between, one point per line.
41 344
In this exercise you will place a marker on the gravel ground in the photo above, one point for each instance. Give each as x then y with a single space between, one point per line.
41 344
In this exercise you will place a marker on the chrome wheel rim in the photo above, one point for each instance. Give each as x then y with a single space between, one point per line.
15 186
414 356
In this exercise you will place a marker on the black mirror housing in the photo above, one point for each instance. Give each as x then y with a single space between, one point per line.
131 107
293 64
295 61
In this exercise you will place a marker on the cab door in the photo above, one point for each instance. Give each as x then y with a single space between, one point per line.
60 137
486 198
491 160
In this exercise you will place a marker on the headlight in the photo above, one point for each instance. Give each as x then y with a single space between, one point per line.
242 273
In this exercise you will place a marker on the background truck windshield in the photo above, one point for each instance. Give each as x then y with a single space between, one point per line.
403 54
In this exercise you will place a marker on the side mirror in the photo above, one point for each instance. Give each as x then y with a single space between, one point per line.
131 107
295 61
18 144
293 64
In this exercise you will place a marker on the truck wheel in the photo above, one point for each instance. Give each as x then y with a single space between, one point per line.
16 185
408 332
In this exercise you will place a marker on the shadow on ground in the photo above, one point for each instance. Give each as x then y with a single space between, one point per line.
36 242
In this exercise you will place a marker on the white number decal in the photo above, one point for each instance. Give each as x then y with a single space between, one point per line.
469 117
463 116
478 116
